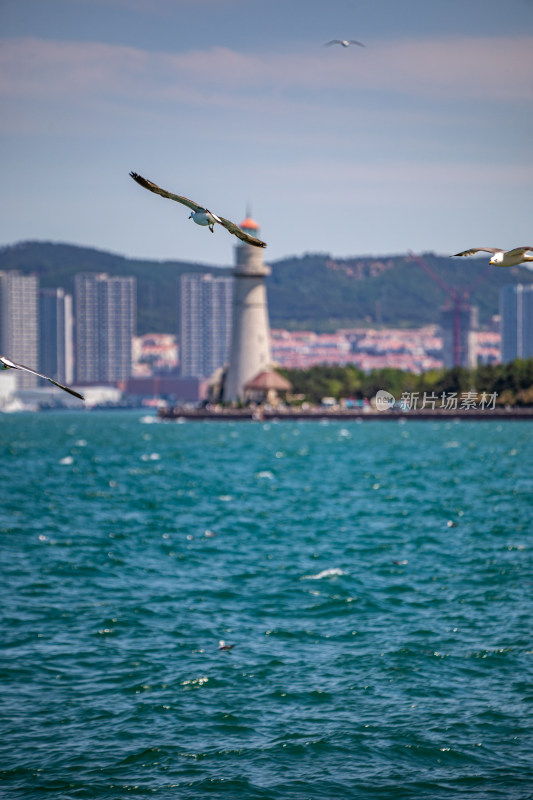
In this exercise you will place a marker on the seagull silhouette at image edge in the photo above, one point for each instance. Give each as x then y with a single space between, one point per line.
199 214
343 42
8 364
500 258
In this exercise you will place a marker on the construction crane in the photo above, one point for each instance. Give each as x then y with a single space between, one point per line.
459 299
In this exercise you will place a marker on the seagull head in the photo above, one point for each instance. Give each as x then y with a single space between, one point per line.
497 258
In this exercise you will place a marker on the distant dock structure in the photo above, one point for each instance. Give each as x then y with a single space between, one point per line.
250 339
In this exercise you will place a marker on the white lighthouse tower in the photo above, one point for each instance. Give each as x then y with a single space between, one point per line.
250 336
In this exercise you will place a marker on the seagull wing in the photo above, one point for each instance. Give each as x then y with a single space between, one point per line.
518 251
8 364
333 41
478 250
232 228
157 190
353 41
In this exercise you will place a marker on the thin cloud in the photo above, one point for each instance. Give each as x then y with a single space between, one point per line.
496 69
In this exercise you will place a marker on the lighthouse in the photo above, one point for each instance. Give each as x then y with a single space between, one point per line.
250 336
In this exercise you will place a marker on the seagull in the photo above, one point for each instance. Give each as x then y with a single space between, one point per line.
343 42
223 646
8 364
501 258
200 215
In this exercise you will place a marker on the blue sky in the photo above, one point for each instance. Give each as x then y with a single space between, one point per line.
421 140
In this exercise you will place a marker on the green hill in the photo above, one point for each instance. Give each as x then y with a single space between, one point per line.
313 291
322 293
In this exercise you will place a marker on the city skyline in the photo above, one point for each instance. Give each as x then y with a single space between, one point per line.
413 350
421 140
89 341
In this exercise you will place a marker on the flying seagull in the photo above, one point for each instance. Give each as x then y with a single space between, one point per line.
501 258
8 364
343 42
200 215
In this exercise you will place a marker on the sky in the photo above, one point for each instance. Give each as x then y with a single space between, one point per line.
421 140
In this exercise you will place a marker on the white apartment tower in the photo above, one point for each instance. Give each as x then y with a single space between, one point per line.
205 323
250 338
106 312
19 322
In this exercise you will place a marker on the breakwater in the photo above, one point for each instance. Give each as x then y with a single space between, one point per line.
318 413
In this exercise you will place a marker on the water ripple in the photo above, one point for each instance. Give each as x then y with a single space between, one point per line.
374 579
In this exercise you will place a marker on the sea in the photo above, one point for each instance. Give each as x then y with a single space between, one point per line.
373 582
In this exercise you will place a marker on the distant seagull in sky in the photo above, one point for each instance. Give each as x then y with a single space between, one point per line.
223 646
501 258
343 42
8 364
199 214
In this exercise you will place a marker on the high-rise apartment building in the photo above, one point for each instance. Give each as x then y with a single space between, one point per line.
56 351
19 322
459 323
106 312
516 313
205 323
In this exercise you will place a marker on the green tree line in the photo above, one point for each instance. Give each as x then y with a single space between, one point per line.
512 383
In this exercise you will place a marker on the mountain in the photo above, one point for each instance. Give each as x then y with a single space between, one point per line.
314 291
323 293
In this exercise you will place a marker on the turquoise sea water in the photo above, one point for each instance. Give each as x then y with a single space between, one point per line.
376 580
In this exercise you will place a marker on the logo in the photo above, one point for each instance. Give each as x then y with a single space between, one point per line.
384 400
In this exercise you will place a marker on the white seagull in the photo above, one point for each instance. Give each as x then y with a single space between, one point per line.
343 42
200 215
8 364
501 258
